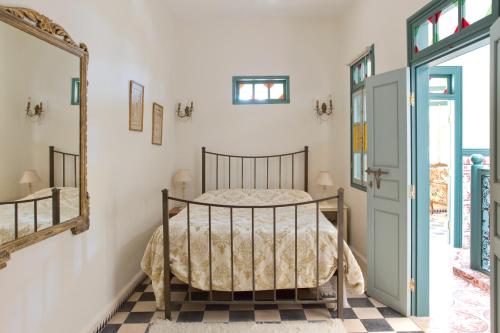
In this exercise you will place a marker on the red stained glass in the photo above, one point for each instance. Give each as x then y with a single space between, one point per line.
465 24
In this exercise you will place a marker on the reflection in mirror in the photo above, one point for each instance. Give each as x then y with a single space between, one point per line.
39 134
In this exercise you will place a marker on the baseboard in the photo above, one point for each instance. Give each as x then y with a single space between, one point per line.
109 310
363 264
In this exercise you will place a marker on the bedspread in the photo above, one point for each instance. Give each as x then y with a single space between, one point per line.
152 262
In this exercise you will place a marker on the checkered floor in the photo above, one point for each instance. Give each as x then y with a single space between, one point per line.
364 314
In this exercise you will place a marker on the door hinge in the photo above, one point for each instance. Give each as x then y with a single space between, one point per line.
411 285
411 99
412 192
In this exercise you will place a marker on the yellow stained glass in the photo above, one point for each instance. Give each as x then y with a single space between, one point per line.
357 137
365 138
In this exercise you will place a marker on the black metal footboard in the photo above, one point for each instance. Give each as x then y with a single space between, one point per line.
212 296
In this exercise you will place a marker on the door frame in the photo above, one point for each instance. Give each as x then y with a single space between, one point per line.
420 151
420 230
464 39
457 96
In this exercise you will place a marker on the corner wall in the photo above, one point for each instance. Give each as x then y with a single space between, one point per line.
62 284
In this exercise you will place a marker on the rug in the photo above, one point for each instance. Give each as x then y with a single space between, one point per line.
328 326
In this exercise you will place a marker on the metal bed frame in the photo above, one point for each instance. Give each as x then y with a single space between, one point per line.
54 197
229 297
52 154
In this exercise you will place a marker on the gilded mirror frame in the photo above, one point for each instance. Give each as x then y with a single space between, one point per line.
40 26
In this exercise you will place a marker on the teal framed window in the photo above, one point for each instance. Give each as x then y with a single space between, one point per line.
442 23
361 69
75 91
261 90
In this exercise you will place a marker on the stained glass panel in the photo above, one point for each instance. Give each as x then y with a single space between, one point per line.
439 85
474 10
261 92
361 69
277 91
356 167
447 21
365 163
355 75
423 35
357 107
246 92
368 67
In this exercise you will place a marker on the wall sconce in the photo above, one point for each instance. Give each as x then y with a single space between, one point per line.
324 109
36 112
186 113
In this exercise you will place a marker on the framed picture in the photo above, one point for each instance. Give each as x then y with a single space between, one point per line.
136 107
157 136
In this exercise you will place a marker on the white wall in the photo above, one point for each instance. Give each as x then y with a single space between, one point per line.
366 22
15 130
63 283
33 69
210 53
476 97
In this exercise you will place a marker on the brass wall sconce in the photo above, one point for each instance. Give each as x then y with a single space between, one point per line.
37 111
187 112
324 109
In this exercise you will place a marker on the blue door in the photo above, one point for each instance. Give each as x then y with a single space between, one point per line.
388 202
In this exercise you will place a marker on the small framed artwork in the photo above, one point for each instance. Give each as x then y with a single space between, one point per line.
136 106
157 124
75 91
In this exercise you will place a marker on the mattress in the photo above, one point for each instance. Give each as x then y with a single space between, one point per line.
152 262
69 208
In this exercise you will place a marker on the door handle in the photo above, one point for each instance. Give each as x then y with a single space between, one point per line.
376 174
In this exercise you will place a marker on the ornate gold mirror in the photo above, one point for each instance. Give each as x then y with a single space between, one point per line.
43 131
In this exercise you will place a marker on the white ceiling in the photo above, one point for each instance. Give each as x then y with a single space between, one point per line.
200 9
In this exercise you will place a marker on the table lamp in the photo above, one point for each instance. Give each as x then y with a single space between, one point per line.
182 177
324 179
29 177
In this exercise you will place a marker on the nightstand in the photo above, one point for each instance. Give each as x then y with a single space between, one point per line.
174 211
329 209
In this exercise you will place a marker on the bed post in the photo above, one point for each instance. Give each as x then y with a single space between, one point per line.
166 256
306 168
51 166
203 151
340 252
56 206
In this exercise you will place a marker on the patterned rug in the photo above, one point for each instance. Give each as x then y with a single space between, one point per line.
330 326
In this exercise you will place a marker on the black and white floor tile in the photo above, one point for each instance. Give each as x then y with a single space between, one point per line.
364 314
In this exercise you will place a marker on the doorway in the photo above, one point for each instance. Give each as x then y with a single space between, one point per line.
453 148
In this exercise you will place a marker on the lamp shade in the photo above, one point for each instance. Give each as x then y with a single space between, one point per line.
324 179
30 176
182 176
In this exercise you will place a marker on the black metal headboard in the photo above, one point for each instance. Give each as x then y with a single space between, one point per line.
279 158
64 156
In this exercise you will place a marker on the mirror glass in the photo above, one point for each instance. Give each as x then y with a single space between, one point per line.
39 134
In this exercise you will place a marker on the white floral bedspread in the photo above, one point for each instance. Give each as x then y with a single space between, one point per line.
152 262
69 208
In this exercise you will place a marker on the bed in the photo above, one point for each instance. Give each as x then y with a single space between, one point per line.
46 207
69 198
237 240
